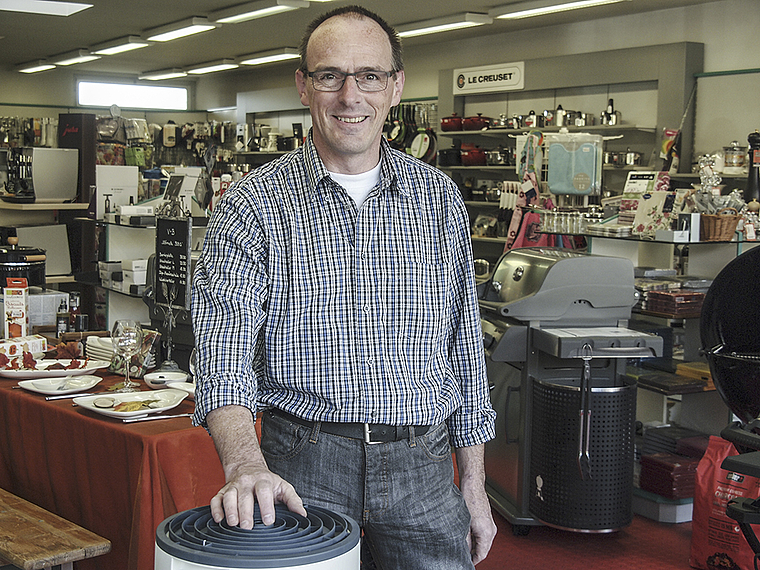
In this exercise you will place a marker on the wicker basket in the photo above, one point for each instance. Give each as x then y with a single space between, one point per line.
720 226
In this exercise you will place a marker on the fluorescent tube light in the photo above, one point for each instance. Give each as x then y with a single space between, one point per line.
120 46
35 66
272 56
79 56
44 7
174 73
253 10
541 8
214 66
179 30
456 22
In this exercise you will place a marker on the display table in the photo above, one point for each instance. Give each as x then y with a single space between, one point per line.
118 480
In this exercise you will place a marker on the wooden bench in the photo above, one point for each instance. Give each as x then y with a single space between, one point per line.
32 538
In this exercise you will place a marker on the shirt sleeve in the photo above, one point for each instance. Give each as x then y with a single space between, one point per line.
473 422
229 292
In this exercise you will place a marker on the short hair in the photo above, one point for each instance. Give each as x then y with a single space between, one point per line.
358 12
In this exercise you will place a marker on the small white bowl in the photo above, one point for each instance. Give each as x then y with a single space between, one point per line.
158 380
188 387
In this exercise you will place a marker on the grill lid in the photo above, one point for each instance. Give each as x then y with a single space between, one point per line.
291 540
730 334
557 285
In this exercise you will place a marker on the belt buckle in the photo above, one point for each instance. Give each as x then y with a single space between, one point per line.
368 436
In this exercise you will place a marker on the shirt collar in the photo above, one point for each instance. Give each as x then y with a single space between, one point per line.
318 176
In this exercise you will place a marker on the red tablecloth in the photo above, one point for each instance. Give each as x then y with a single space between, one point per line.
118 480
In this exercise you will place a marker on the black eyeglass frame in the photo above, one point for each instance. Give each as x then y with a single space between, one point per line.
388 75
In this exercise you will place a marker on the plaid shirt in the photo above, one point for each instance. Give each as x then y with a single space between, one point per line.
303 302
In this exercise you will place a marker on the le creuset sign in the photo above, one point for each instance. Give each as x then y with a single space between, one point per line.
487 78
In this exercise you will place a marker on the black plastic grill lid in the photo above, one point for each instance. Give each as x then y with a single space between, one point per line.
292 540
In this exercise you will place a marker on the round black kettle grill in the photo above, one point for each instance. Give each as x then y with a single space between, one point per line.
730 334
321 540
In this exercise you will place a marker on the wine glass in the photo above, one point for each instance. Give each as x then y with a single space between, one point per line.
127 336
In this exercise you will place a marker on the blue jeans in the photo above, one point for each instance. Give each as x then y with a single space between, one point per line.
402 494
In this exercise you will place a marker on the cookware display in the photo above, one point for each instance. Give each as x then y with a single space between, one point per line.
473 156
450 157
452 123
21 261
496 157
476 123
424 144
627 158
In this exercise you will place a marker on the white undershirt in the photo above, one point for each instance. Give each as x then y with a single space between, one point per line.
358 186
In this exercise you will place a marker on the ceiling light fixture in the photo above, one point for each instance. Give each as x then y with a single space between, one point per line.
43 7
179 30
543 7
120 46
35 66
174 73
271 56
446 24
253 10
79 56
213 66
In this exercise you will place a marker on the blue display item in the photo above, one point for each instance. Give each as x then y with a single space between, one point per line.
574 163
322 539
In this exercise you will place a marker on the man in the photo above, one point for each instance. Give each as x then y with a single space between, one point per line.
336 292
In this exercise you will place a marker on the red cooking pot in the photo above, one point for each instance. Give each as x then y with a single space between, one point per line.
452 123
477 123
473 157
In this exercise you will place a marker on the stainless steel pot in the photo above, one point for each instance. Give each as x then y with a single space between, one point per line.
631 158
497 157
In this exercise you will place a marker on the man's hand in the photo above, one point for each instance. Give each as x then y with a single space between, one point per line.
248 479
470 465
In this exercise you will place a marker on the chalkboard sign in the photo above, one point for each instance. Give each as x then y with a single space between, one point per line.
173 245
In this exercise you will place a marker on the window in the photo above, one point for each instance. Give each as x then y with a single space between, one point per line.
130 96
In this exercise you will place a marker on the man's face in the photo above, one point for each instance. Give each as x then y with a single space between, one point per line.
348 123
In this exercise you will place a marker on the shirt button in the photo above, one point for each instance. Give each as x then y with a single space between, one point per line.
365 308
370 361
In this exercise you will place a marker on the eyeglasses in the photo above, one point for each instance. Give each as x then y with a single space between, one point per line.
369 81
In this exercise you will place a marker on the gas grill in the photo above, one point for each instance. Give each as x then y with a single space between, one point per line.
556 340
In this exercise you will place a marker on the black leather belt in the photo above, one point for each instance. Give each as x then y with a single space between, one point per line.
369 433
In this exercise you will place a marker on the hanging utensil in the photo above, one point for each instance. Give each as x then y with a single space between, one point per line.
584 435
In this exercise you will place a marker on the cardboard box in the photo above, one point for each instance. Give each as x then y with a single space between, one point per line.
127 210
16 308
676 236
43 307
107 268
35 344
134 264
134 277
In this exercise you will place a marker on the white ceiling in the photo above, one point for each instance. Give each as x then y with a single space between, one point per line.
27 37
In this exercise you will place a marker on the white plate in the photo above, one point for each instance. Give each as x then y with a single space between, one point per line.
42 371
167 399
69 384
188 387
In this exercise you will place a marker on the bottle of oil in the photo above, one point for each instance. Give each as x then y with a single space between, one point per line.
752 190
62 319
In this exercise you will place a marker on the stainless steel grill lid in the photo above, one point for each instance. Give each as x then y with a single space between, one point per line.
730 333
292 540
